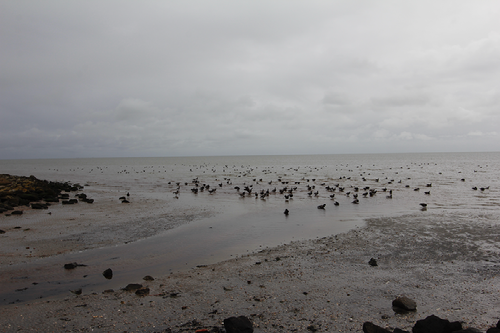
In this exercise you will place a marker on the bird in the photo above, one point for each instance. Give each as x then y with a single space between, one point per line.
322 206
424 205
286 212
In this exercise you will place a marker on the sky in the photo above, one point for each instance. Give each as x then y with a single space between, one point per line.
222 77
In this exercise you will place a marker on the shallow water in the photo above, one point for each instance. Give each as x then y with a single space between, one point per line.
236 225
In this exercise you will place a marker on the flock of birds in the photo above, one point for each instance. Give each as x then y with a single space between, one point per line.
288 185
288 182
288 191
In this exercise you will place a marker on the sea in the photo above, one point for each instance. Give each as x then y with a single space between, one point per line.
183 212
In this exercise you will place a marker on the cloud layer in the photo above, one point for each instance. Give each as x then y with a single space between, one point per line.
165 78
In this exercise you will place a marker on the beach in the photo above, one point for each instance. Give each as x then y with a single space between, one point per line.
210 256
449 268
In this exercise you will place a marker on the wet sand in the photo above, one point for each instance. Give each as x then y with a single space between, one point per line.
448 262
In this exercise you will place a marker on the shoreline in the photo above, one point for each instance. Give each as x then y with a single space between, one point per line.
450 268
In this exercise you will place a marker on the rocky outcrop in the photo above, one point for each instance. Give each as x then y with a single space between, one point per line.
431 324
16 191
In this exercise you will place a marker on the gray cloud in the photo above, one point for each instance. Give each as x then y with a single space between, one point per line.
118 78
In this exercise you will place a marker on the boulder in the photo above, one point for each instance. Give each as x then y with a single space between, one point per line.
239 324
39 206
434 324
404 304
132 287
369 327
108 274
142 292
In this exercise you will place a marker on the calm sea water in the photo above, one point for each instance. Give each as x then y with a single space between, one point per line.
236 225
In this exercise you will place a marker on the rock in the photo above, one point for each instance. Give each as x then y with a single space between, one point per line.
373 262
369 327
17 212
142 292
2 232
398 330
39 206
493 330
403 304
108 274
239 324
132 287
77 291
434 324
148 278
72 265
468 330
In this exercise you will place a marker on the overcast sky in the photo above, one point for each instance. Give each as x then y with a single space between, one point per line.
189 78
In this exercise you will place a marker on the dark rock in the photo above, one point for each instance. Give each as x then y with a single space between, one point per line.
239 324
403 303
373 262
72 265
369 327
493 330
142 292
2 232
89 201
148 278
39 206
468 330
108 274
77 291
17 212
398 330
434 324
132 287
